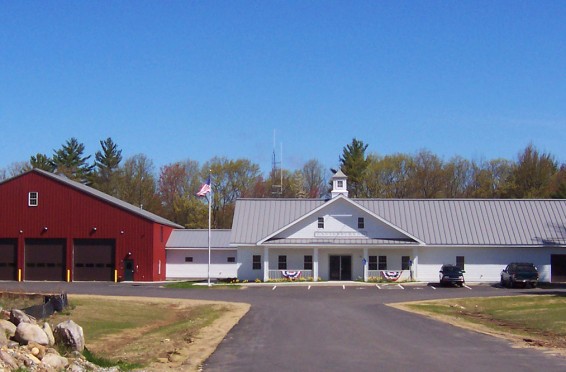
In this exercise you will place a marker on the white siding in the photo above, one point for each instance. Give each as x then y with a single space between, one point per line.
341 219
177 268
245 271
483 264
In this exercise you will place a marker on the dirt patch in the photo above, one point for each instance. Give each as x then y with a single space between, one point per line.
519 336
182 349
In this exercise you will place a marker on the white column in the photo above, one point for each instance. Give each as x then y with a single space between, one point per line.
315 265
415 265
265 263
366 265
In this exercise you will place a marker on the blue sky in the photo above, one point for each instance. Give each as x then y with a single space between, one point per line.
179 80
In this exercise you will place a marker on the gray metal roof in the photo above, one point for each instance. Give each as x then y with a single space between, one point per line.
483 222
339 241
109 199
199 239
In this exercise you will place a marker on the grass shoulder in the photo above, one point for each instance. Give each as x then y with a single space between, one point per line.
201 285
150 333
536 320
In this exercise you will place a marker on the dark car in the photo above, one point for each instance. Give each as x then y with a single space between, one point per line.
450 274
523 273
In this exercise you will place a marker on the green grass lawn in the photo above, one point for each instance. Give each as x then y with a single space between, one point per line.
201 285
536 317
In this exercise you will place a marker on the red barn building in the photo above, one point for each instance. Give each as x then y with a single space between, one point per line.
52 228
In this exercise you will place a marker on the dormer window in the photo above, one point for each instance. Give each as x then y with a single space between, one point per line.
321 222
361 223
33 199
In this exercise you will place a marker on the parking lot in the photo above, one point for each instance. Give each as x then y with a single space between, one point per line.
341 326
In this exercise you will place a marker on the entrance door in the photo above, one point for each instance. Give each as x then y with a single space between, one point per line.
340 268
558 268
129 270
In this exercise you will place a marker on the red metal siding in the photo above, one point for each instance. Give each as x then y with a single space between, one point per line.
64 212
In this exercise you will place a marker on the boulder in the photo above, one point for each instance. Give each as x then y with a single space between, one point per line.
8 360
70 334
8 327
47 329
18 316
55 361
27 332
3 338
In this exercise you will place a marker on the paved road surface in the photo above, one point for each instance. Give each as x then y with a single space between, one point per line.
335 328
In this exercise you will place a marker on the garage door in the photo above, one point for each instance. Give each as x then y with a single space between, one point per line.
558 268
45 259
94 259
8 259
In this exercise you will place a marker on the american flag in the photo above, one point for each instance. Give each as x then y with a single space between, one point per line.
205 188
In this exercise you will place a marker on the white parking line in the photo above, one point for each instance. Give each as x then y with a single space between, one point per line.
433 287
273 287
467 287
309 288
400 286
343 286
378 287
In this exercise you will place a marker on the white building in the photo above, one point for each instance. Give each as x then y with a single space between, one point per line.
355 239
187 255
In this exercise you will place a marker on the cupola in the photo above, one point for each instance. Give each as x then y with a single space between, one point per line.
339 184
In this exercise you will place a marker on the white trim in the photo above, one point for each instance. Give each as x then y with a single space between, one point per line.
199 249
36 199
325 205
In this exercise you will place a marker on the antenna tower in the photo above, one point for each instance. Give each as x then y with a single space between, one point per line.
276 172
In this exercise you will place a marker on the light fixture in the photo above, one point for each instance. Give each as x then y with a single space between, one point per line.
44 228
94 229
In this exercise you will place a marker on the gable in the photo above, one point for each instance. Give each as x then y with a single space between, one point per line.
20 185
339 220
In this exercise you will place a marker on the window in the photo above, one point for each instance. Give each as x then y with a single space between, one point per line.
340 183
382 263
231 259
33 199
321 222
282 263
188 259
405 263
361 223
256 262
307 263
372 263
460 262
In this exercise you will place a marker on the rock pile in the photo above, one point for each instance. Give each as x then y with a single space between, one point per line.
26 344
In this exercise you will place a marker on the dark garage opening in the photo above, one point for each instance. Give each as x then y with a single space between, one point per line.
94 259
558 268
8 259
45 259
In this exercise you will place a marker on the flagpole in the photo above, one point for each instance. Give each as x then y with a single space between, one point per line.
209 223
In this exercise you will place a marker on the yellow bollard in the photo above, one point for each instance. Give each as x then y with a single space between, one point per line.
19 275
115 276
68 276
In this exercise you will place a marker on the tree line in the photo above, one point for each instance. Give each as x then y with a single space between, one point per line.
533 174
171 192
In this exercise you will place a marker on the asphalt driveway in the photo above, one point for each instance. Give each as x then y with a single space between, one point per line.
335 328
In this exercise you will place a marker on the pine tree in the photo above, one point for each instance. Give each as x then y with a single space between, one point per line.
107 163
41 161
69 161
354 163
